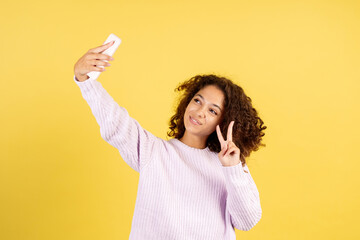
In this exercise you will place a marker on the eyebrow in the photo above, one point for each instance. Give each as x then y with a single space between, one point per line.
203 99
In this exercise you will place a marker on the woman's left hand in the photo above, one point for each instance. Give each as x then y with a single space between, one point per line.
230 153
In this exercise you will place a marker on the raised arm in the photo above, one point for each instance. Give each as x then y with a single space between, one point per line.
117 127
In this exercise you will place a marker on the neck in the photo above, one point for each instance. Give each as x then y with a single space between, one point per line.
194 141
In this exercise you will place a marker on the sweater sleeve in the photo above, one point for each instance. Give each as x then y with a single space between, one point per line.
243 200
117 127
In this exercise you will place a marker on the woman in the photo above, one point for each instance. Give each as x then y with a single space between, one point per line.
196 185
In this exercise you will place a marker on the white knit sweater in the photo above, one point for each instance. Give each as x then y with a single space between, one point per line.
183 193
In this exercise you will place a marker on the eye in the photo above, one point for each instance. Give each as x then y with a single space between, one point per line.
214 112
196 100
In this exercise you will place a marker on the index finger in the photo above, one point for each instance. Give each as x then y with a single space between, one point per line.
220 136
101 48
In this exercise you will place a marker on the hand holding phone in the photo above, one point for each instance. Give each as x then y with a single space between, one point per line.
96 59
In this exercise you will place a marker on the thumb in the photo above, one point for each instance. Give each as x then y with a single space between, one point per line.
102 48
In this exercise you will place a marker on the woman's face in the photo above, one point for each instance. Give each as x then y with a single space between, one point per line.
207 108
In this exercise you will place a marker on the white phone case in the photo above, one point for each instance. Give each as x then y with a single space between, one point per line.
110 51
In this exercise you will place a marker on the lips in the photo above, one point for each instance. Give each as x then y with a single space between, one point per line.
194 121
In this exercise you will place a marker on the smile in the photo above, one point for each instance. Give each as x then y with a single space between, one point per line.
194 121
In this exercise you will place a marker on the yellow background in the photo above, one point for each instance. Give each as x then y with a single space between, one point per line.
297 60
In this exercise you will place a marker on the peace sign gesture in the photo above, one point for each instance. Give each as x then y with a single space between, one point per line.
230 153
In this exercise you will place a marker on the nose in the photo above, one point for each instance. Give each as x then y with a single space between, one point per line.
200 113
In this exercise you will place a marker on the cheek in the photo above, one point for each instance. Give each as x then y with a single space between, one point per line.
188 111
215 121
190 108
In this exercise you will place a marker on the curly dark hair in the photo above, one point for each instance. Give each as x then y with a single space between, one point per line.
248 127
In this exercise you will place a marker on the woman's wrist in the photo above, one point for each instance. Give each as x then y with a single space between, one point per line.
81 78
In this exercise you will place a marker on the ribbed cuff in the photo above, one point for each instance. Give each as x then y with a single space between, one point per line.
235 174
86 85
